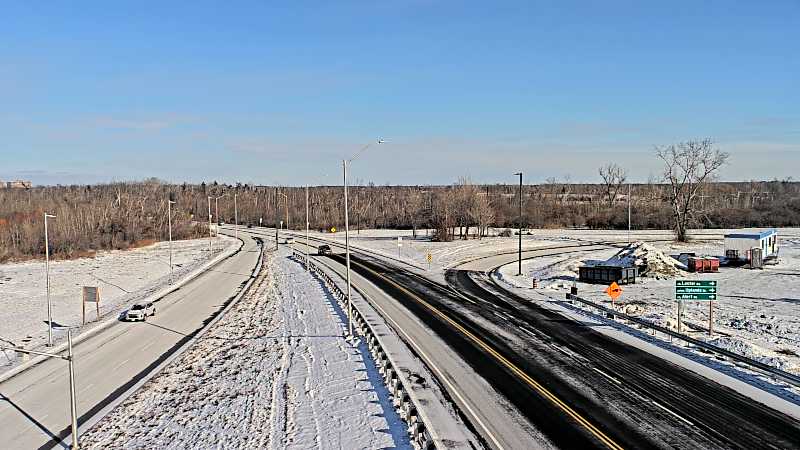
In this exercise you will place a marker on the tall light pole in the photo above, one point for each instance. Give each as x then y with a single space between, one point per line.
216 211
347 236
210 240
236 216
47 272
169 220
519 250
307 225
276 219
216 208
73 407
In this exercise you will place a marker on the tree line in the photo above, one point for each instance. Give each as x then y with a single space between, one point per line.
121 215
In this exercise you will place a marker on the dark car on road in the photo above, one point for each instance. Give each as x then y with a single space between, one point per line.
324 250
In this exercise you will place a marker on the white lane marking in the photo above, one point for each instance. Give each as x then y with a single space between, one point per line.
530 332
671 412
86 387
119 365
607 375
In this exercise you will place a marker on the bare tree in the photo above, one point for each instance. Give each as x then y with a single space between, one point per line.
688 166
613 177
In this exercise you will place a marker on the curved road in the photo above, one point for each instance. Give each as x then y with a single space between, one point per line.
34 405
578 387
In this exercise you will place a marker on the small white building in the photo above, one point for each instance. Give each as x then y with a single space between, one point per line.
739 245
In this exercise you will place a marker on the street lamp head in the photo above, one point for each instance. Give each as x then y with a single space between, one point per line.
49 215
518 174
381 141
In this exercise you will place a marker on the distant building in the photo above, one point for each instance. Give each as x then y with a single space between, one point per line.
740 245
16 184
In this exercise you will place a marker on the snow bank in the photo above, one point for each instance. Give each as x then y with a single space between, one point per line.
275 372
651 261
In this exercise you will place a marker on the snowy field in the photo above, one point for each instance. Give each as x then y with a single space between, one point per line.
275 372
758 314
124 276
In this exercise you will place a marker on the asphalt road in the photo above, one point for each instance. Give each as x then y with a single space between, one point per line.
578 387
34 405
493 417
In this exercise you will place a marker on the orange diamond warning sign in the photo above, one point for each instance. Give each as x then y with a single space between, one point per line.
614 291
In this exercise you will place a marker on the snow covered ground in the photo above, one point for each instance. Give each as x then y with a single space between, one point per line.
274 372
758 314
124 276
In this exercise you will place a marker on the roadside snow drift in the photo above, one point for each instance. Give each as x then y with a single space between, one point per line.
275 372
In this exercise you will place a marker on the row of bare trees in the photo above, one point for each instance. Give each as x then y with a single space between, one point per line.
121 215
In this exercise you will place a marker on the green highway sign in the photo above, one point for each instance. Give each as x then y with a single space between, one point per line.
702 290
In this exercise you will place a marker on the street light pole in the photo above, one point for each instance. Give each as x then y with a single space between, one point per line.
347 237
519 250
307 225
169 219
210 240
276 219
47 272
236 215
347 252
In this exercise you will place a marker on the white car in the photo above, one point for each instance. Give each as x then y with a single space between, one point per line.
140 311
289 240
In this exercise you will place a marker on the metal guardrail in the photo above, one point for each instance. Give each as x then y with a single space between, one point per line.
404 404
756 365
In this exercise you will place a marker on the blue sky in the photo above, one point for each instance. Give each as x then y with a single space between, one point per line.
272 92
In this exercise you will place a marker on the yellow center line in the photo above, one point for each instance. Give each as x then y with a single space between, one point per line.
511 366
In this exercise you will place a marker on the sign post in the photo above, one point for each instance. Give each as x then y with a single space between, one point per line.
430 258
399 245
696 290
91 294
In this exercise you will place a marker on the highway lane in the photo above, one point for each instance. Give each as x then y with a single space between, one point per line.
640 400
680 407
495 419
34 405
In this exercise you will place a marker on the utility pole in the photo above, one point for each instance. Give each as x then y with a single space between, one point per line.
307 225
47 274
347 252
519 250
276 218
210 240
236 215
169 220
